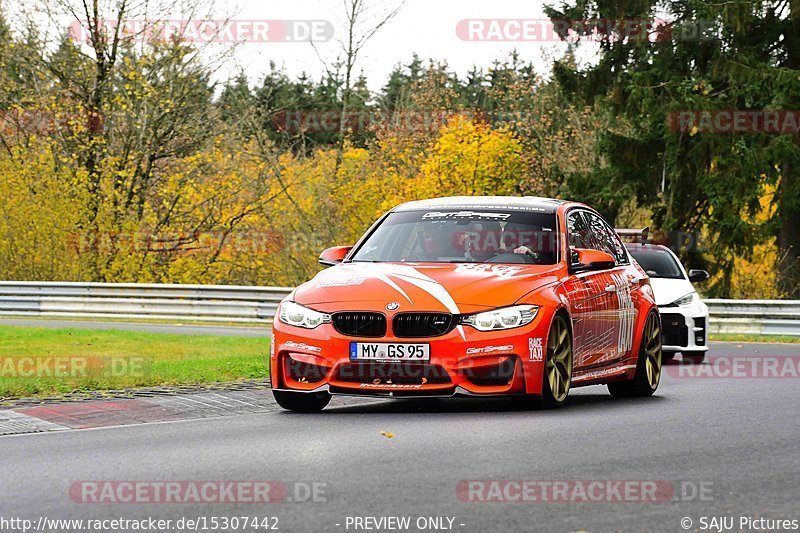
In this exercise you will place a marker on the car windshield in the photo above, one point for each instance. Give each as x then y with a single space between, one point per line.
463 236
657 263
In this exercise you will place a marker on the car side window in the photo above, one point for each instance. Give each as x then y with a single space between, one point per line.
578 230
605 238
579 234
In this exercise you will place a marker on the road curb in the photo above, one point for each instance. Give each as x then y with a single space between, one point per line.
131 393
159 406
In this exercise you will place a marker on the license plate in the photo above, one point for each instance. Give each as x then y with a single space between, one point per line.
387 352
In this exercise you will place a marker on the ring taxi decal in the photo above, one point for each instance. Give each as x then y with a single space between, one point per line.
535 349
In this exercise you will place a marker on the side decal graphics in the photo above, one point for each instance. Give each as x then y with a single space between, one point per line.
627 314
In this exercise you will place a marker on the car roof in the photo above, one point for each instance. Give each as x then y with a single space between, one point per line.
519 203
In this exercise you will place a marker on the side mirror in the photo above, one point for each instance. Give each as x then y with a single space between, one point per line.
334 256
696 276
586 259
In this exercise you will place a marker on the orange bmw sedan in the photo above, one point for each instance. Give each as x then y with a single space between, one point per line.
471 296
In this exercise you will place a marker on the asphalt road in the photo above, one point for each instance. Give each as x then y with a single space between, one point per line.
730 447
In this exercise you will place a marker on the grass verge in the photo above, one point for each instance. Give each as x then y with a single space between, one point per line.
35 361
165 321
770 339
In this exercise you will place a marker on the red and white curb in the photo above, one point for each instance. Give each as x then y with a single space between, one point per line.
132 411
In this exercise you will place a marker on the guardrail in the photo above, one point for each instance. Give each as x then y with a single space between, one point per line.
215 303
754 317
228 303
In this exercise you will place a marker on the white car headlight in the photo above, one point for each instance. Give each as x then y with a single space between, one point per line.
686 300
297 315
504 318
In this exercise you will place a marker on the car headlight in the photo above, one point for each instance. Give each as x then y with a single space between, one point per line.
504 318
297 315
686 300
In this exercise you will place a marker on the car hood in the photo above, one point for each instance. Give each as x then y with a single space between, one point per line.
668 290
454 288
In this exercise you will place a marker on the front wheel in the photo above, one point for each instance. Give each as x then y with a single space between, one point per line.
648 366
558 365
304 402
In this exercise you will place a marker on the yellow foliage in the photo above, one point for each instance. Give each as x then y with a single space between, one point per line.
469 159
330 199
41 210
757 277
230 214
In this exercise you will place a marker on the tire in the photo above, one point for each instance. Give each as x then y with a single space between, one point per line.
303 402
667 357
648 364
695 358
558 365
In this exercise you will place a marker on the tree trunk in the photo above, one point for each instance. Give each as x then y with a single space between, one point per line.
789 232
789 188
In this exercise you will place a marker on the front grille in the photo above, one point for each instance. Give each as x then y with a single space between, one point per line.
357 324
673 330
422 324
392 373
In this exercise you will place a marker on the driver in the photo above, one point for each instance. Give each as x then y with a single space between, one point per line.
432 246
523 249
504 244
474 229
464 242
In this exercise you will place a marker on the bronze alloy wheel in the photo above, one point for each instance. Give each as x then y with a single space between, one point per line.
652 349
558 365
648 365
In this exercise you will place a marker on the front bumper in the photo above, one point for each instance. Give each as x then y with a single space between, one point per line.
684 329
458 392
463 362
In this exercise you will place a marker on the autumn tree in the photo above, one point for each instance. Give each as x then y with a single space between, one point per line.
704 56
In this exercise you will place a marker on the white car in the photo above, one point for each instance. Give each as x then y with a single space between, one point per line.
684 316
